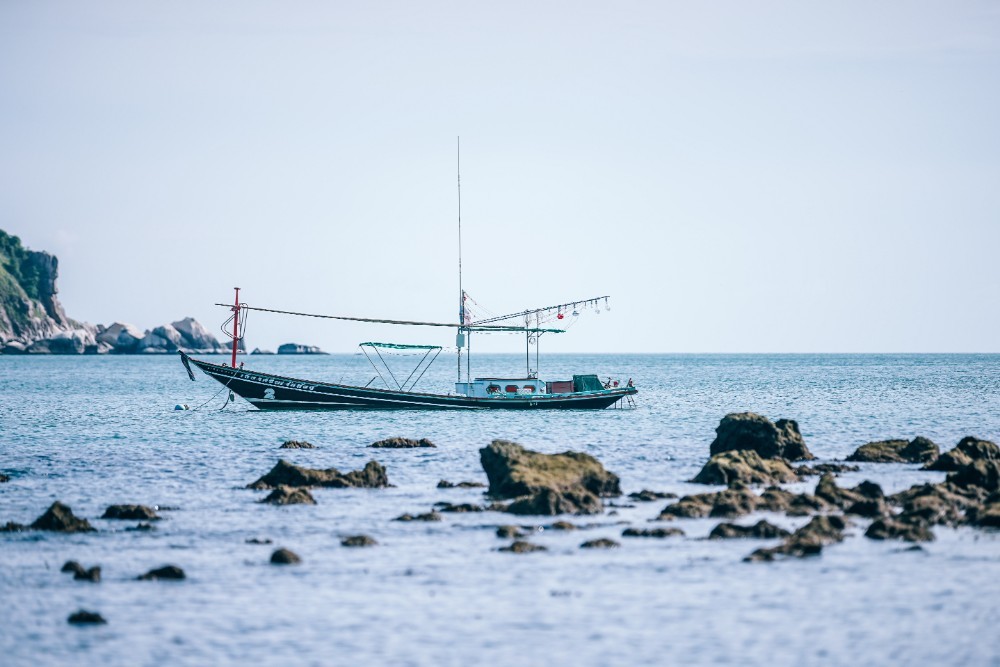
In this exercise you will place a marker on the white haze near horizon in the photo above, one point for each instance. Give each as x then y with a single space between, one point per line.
739 176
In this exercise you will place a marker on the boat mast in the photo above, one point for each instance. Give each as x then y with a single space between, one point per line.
236 324
460 338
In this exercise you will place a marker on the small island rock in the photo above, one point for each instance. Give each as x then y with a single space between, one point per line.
750 431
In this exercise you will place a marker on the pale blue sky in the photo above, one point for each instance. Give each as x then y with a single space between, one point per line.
739 176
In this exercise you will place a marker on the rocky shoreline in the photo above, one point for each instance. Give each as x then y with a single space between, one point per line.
33 321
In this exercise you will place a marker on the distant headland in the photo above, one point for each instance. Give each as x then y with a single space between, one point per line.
32 321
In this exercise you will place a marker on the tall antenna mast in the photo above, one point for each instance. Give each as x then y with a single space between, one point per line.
460 339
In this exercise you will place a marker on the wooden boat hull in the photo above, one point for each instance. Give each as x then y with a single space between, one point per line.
274 392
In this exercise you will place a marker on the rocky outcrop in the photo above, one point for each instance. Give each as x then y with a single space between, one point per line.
459 508
762 530
60 518
4 478
130 513
567 483
358 541
402 443
918 450
295 348
648 496
509 532
750 431
167 572
72 566
745 466
967 451
600 543
372 476
908 528
286 495
92 574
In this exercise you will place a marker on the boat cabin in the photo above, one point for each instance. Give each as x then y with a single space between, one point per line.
500 387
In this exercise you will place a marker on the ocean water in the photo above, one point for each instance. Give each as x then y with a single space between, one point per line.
95 431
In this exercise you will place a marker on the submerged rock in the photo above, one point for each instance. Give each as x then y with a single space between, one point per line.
170 572
521 547
402 443
445 484
93 574
372 476
509 532
285 557
600 543
257 540
297 444
918 450
429 516
567 483
746 467
762 530
808 540
460 508
60 518
286 495
750 431
821 468
967 451
130 512
648 496
562 525
358 541
652 532
4 478
84 617
141 527
12 527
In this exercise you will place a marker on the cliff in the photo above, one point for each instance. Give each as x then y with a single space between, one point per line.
29 309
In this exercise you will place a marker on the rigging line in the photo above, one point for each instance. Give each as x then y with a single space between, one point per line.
532 311
472 327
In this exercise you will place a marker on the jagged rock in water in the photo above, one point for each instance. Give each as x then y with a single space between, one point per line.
745 466
987 516
358 541
828 490
257 540
286 495
567 483
808 540
982 473
429 516
72 566
130 513
509 532
83 617
373 476
60 518
122 338
167 572
648 496
4 478
521 547
297 444
938 504
257 350
821 468
762 530
910 529
750 431
402 443
140 527
285 557
968 450
549 502
445 484
918 450
12 527
652 532
93 574
600 543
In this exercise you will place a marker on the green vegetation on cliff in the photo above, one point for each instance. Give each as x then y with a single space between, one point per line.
16 270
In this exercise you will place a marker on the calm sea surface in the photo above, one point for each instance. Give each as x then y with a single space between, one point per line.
98 431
